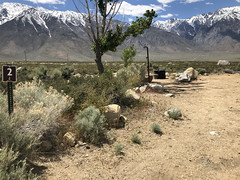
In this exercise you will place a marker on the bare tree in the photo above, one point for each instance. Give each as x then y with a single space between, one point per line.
98 16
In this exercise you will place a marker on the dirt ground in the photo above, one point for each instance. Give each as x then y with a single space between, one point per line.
204 144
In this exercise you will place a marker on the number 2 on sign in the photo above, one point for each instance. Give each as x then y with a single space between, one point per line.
10 71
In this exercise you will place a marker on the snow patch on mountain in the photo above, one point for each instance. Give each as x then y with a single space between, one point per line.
203 19
9 11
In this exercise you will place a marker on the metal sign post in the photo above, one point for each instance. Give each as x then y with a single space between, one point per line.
9 75
148 64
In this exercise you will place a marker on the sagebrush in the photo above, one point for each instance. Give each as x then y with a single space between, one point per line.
91 125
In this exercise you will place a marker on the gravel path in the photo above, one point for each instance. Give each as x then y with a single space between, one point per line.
205 144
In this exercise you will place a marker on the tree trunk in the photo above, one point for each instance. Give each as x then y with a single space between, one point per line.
98 60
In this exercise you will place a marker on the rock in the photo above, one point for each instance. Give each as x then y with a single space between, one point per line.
46 146
122 122
132 95
142 89
223 62
183 78
214 133
156 87
80 144
112 114
154 103
77 75
69 139
169 95
191 73
137 89
228 71
167 74
115 74
19 69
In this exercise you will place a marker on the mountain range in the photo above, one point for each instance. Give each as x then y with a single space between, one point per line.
38 34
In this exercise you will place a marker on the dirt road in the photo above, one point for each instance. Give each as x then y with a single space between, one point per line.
205 144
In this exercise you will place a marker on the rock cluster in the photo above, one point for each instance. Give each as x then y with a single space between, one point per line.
188 75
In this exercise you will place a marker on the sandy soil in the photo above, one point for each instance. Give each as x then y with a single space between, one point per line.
186 150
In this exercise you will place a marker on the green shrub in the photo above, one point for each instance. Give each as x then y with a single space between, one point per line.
11 167
54 74
201 71
136 139
156 128
118 149
132 75
36 109
39 73
238 67
67 71
128 54
174 113
16 144
90 125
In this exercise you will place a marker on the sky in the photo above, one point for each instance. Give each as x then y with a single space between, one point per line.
166 9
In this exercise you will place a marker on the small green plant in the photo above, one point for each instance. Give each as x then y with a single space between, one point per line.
136 139
67 71
13 168
128 54
133 75
156 128
118 149
201 71
54 74
174 113
39 73
90 125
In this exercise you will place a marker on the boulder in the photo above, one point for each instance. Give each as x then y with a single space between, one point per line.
69 139
132 95
156 87
142 89
223 62
122 122
112 114
191 73
228 71
183 78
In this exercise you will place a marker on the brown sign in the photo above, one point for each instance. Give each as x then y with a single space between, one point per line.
9 73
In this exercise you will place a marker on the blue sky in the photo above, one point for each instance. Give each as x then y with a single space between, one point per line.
165 9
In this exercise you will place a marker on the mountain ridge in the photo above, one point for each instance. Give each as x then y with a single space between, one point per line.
59 35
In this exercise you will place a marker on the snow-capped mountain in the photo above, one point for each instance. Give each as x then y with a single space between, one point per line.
189 28
9 11
43 34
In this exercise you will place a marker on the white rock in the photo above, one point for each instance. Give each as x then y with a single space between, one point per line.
132 94
214 133
156 87
142 89
169 95
69 139
112 114
183 78
191 73
19 68
77 75
223 62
